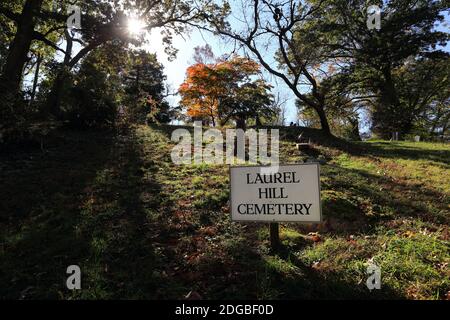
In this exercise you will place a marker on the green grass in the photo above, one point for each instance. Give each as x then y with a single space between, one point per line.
141 227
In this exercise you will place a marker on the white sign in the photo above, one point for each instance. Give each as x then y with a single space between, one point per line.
291 194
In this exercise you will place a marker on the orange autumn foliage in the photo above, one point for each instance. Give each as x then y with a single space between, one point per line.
206 85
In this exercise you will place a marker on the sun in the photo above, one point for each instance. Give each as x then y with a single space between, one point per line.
135 26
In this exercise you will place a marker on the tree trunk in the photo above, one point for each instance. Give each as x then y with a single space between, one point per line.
19 47
388 116
258 121
36 79
323 120
318 105
390 93
354 128
445 125
54 99
240 123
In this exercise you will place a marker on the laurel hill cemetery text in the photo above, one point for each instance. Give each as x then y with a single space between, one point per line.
265 192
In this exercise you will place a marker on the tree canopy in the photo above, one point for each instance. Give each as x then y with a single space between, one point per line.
340 71
225 90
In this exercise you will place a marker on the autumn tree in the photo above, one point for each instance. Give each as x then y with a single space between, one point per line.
225 90
200 101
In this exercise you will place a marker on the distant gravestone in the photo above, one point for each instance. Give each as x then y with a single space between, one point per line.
417 138
394 136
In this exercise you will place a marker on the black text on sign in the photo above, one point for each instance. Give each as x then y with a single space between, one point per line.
291 194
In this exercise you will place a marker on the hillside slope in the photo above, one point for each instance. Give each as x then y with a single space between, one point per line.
142 227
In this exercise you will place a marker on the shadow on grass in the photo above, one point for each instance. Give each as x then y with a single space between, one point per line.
318 284
92 201
98 202
356 202
282 276
40 194
398 151
365 199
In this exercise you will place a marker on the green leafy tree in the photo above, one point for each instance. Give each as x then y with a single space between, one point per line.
102 21
144 79
94 93
424 90
407 32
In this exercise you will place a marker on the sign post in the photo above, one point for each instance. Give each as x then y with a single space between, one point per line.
290 194
274 235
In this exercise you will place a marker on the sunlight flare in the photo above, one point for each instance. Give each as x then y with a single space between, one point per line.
135 26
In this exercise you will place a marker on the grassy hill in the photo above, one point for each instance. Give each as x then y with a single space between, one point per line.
142 227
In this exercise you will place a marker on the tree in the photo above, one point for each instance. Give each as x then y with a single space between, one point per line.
407 32
252 100
111 78
199 94
424 89
20 45
102 21
143 80
224 91
92 95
